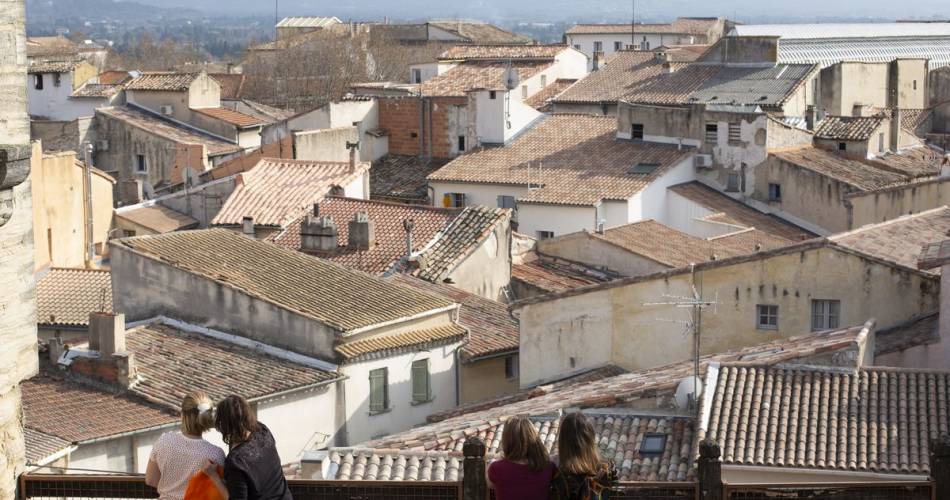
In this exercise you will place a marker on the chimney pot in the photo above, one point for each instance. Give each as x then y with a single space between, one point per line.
247 226
362 232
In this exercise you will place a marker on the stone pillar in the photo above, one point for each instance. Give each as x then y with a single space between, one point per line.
18 356
474 481
940 466
710 471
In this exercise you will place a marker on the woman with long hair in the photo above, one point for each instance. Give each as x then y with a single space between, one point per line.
178 455
582 474
525 471
252 469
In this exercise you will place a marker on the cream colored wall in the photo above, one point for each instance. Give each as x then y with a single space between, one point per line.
806 195
912 73
486 379
487 270
850 83
204 92
886 205
82 73
59 209
613 325
582 247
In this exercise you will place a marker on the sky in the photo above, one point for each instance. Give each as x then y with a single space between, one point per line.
597 10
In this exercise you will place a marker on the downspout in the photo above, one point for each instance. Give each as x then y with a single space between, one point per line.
87 205
429 129
422 125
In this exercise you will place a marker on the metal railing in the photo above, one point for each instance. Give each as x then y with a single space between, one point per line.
656 491
893 490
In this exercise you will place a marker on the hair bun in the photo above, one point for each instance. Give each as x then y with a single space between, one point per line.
203 407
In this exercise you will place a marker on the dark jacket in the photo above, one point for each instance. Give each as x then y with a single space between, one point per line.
252 470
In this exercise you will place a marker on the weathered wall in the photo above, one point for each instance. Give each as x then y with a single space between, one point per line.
59 209
485 379
779 135
939 97
612 324
424 126
805 194
402 118
63 136
887 204
204 92
53 102
487 270
746 49
558 219
325 145
582 247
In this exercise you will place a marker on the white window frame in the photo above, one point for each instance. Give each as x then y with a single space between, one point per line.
825 314
766 317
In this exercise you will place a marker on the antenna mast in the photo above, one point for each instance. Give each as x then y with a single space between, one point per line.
633 24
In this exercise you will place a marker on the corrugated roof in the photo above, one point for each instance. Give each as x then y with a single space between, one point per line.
828 52
307 22
624 73
683 25
842 30
65 297
337 296
277 191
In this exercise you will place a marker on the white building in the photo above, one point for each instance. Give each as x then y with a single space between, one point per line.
51 88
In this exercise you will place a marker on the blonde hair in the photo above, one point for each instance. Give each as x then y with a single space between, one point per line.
520 441
197 413
577 446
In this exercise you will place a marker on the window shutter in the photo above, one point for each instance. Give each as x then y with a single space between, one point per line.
377 390
420 380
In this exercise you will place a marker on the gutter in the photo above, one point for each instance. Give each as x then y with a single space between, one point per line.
276 395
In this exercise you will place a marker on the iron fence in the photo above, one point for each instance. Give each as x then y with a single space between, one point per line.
656 491
909 490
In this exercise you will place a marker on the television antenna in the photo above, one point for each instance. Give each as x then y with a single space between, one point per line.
510 79
696 303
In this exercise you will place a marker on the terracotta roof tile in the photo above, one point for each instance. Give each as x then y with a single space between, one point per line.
158 218
276 191
480 33
232 85
65 297
230 116
581 162
848 128
860 175
549 274
40 445
48 66
900 240
625 72
477 75
358 464
541 100
330 293
390 233
502 53
154 124
869 420
450 247
96 90
47 46
402 178
491 329
114 77
162 81
352 350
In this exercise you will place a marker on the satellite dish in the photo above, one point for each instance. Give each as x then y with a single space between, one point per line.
148 190
688 391
191 177
510 78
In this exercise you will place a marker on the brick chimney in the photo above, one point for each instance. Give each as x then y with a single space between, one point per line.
108 360
247 227
362 232
318 234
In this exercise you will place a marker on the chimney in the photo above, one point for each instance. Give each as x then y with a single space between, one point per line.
598 60
353 147
811 117
408 225
247 226
106 333
130 191
895 129
54 349
318 234
362 232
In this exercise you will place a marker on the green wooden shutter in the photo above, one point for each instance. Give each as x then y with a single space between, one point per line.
420 380
378 397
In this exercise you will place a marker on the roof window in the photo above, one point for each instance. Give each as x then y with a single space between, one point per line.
643 168
653 444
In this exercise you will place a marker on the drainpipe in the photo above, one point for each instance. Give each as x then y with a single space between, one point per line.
429 130
87 199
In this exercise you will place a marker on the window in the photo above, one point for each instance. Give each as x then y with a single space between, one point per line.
653 444
775 192
825 314
712 132
577 46
414 135
511 367
461 143
545 235
38 82
645 45
524 91
544 80
140 165
915 84
416 75
379 390
766 317
453 200
57 79
842 146
636 131
618 46
492 94
505 201
127 233
735 132
598 46
421 390
732 183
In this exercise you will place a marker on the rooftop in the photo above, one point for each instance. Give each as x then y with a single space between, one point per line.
96 90
848 128
332 294
114 77
232 84
156 125
865 175
625 72
682 25
385 344
503 53
276 192
934 254
307 22
457 241
573 159
900 240
402 178
47 66
157 218
390 233
162 81
50 46
549 274
230 116
541 100
477 75
479 32
922 331
65 296
842 30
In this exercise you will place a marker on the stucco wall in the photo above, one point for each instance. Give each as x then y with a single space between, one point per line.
889 204
487 270
204 92
53 102
805 195
326 144
850 83
613 325
559 219
585 42
302 421
485 379
582 247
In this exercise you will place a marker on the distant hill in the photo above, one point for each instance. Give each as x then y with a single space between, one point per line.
42 14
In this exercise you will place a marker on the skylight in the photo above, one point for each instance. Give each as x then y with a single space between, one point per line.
653 444
643 168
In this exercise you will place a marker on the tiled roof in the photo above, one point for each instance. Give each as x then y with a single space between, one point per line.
360 464
477 75
481 33
47 46
541 100
624 73
575 159
46 66
232 84
911 119
502 53
612 392
390 233
402 178
922 331
162 81
869 420
731 211
934 254
900 240
723 84
549 274
75 412
230 116
356 349
858 174
916 162
65 297
330 293
276 191
40 445
462 236
848 128
265 113
683 25
96 90
491 329
114 77
158 218
170 362
154 124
